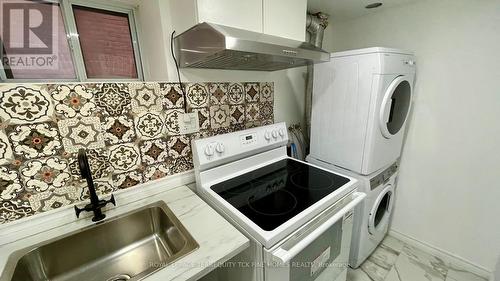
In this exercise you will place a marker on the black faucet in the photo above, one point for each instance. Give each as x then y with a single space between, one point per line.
95 203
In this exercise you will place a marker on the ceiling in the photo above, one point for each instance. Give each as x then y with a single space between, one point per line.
341 10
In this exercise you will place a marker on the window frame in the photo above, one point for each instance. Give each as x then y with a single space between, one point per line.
66 10
3 76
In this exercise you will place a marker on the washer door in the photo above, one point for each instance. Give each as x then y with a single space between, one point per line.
395 106
380 213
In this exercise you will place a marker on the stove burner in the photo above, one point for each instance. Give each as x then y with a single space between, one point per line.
277 203
312 180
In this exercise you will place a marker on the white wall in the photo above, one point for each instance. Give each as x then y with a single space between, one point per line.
152 48
154 21
449 188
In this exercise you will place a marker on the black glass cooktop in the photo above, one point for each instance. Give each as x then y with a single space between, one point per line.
273 194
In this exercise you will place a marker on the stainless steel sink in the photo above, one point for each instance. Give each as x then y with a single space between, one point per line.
128 247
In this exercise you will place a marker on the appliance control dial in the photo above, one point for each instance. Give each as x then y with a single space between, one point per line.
209 150
282 132
267 135
219 147
275 134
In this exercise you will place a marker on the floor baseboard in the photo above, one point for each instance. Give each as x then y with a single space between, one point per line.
459 261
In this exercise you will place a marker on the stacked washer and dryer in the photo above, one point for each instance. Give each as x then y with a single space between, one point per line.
361 101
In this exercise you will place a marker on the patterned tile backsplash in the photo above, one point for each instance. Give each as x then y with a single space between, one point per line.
130 132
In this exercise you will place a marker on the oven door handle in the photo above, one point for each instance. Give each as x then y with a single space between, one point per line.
286 255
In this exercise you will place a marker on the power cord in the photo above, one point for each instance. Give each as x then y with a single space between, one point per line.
178 73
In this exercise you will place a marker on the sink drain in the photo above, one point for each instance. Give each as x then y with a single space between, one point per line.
119 277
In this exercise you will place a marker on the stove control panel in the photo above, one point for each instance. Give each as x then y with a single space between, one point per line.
248 139
239 144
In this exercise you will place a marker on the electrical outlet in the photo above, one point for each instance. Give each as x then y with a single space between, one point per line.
189 123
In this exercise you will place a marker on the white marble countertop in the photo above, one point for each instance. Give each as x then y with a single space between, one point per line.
218 240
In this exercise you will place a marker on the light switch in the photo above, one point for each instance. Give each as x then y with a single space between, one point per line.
189 123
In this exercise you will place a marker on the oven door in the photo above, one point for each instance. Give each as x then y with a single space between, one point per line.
317 251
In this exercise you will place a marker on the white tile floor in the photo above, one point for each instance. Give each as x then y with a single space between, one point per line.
394 260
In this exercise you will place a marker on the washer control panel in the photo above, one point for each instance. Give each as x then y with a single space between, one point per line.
232 145
383 176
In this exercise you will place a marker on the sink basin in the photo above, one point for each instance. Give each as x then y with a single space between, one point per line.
128 247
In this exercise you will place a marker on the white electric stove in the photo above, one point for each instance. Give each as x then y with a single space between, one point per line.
298 216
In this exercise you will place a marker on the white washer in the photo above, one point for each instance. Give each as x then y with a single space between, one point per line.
361 101
372 216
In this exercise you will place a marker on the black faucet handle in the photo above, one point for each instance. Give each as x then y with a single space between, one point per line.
111 200
78 211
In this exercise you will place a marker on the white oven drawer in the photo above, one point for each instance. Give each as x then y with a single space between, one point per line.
318 249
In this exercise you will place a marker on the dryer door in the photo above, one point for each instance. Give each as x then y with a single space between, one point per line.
380 213
395 106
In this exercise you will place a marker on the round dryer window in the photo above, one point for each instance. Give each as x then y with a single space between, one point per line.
395 106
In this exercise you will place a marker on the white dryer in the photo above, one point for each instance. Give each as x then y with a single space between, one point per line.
372 216
361 101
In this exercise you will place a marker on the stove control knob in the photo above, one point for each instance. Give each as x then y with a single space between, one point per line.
275 134
219 147
209 150
267 135
282 133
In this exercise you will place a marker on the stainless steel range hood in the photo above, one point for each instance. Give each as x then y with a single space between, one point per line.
208 45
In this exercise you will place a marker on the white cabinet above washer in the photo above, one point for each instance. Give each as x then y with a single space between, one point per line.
283 18
240 14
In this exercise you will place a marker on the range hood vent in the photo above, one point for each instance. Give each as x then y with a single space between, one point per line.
209 45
